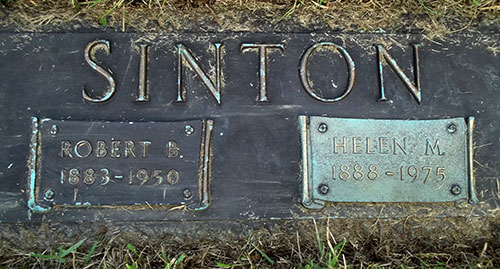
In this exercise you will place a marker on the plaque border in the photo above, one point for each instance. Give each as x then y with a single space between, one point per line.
34 164
311 202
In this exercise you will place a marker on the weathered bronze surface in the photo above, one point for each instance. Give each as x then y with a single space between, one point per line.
96 163
366 160
254 86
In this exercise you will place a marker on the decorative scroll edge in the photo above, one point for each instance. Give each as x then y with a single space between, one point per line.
307 198
470 160
204 178
34 163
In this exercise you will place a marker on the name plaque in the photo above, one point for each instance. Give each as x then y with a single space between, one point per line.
367 160
97 163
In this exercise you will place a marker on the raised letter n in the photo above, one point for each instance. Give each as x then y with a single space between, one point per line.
183 53
413 87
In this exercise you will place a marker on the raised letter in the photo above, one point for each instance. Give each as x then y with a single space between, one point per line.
143 94
65 149
145 145
115 150
173 149
130 149
262 49
414 88
184 53
368 147
356 144
89 51
382 145
304 74
401 147
83 143
433 149
338 145
102 151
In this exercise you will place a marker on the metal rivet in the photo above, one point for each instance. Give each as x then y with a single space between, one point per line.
189 130
323 189
53 130
187 193
49 194
456 189
452 128
322 128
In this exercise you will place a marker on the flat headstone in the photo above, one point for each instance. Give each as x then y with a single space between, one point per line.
69 98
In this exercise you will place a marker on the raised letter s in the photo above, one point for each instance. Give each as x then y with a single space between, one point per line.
89 51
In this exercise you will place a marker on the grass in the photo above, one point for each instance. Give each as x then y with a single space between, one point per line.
401 243
62 253
432 17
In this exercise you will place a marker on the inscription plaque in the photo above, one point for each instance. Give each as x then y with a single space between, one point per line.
89 163
255 86
366 160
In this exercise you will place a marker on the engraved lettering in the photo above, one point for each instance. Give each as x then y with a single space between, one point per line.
157 174
173 150
397 144
105 176
115 149
65 149
183 53
413 172
74 176
90 50
383 146
143 93
142 175
413 87
83 149
130 149
356 144
368 147
358 173
441 174
344 172
372 172
416 173
89 176
145 146
428 169
172 176
262 50
342 145
304 76
101 151
433 149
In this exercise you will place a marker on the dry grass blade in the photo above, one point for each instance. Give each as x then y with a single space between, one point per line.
435 18
413 242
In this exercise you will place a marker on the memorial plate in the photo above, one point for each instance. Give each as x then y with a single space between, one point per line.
365 160
254 86
97 163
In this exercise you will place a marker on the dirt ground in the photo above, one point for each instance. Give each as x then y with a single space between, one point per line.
372 243
403 243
